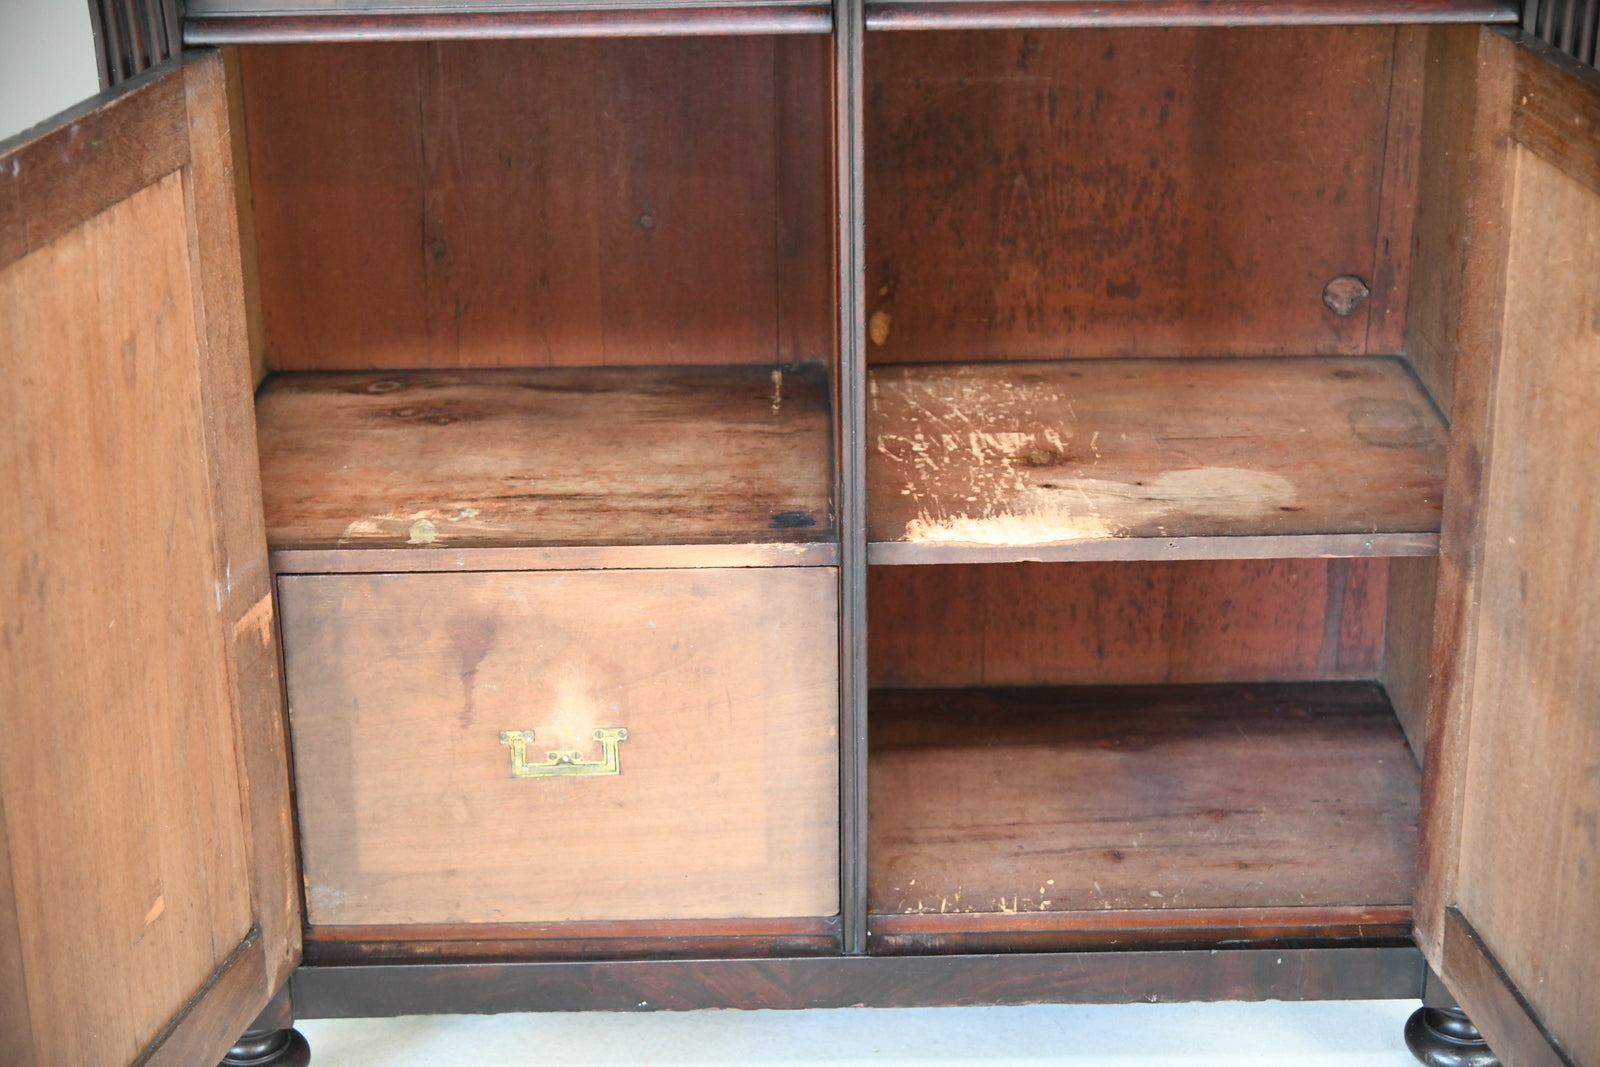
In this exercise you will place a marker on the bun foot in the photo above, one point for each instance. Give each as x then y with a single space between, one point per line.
1445 1037
268 1048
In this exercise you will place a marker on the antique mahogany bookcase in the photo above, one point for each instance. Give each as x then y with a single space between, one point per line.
754 503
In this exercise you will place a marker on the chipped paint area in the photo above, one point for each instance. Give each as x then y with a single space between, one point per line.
423 527
1076 508
1009 530
258 620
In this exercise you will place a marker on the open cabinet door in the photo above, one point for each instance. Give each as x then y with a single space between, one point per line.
147 901
1509 905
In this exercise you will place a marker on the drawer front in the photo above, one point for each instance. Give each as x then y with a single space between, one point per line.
692 714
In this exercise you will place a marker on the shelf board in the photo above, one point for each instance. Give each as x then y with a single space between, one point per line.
1039 14
1042 813
576 459
1151 459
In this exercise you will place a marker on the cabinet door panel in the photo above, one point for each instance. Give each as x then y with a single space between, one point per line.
138 697
1530 854
1515 772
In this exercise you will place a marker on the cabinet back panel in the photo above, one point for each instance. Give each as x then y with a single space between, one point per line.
1125 623
1050 194
542 203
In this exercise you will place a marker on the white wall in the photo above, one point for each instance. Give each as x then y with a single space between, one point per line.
47 60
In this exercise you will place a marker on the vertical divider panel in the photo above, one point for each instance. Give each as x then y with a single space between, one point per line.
849 153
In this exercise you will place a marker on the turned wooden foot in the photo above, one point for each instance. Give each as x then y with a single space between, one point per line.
1445 1037
268 1048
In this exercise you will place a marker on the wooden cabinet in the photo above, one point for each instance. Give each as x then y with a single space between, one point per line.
1086 505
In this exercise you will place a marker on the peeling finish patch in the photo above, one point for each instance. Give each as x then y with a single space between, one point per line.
1074 508
155 910
1218 492
878 327
1009 530
423 526
258 618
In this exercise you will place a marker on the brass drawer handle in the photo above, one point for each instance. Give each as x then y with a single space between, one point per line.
565 761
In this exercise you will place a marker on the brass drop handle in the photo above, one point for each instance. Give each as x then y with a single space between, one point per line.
565 761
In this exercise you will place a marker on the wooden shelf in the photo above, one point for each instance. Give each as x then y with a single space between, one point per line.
227 22
1032 14
1151 459
543 462
1050 817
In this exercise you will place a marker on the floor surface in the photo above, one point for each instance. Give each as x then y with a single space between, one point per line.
1312 1034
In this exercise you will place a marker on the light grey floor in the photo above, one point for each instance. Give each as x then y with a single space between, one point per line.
1316 1034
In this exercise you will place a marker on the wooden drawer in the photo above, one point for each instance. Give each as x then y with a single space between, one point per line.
725 800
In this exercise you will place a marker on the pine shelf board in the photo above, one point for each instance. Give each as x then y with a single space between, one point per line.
1151 459
570 458
1055 808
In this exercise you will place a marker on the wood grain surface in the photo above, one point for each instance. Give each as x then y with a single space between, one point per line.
727 800
1136 624
598 456
530 203
1444 186
1529 841
1040 194
1131 798
120 767
1407 672
1024 455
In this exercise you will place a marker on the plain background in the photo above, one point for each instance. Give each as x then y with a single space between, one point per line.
46 60
47 65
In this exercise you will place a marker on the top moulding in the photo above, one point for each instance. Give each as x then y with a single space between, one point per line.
1151 459
219 22
1039 14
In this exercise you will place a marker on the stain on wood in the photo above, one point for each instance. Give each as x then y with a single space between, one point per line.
1031 454
598 456
1129 798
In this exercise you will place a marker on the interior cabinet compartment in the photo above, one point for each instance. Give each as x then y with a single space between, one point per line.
1173 753
594 279
553 321
1138 389
1145 286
